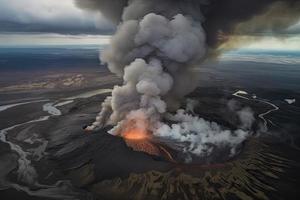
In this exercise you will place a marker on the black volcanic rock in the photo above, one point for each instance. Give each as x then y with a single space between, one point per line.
109 155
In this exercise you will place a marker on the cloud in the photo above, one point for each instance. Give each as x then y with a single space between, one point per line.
295 29
50 16
29 39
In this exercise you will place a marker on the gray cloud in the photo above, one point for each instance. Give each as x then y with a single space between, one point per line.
295 29
48 16
221 18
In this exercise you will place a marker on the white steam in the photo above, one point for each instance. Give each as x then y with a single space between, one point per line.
200 136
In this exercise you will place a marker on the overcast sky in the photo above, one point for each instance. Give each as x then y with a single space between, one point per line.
50 16
59 21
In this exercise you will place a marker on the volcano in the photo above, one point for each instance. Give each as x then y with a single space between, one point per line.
143 142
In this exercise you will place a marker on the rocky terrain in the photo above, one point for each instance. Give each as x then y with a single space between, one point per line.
45 153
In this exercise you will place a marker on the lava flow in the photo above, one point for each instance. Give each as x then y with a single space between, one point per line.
140 140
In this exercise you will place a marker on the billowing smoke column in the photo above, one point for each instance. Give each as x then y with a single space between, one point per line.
153 49
156 44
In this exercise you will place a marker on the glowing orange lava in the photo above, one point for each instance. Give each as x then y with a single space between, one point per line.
135 134
140 140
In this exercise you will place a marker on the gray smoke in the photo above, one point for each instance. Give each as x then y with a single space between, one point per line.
112 9
245 115
191 104
153 53
156 44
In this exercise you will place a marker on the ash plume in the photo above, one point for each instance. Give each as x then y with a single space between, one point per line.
156 45
153 50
